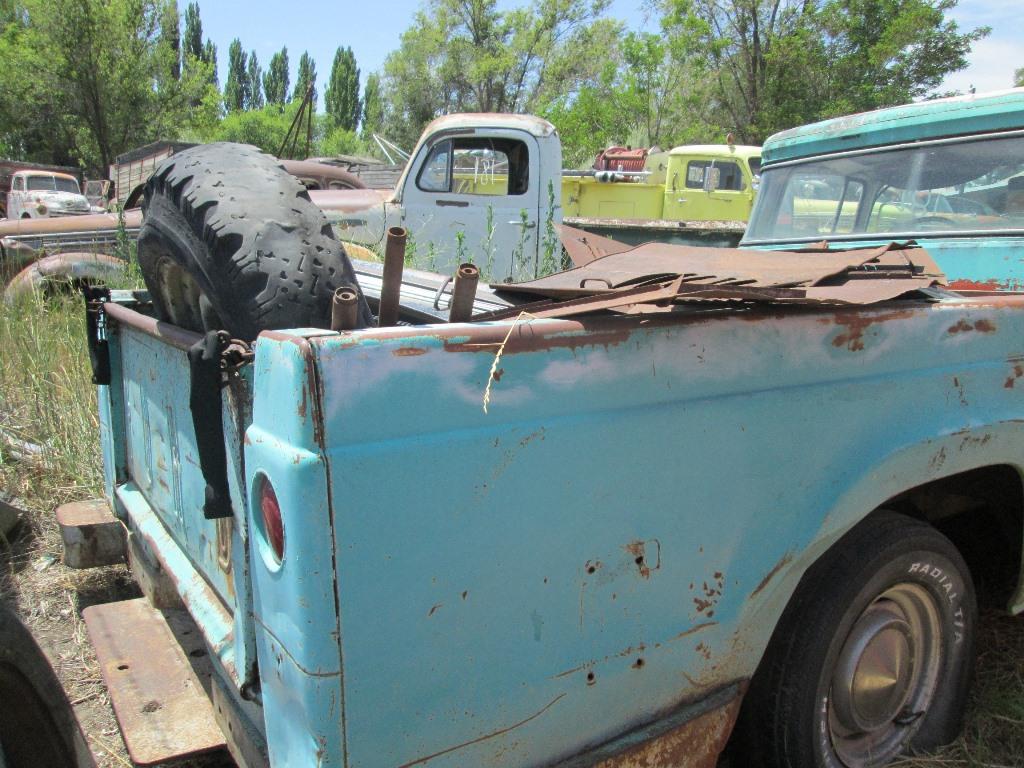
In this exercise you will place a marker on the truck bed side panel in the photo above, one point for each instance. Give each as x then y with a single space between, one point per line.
618 534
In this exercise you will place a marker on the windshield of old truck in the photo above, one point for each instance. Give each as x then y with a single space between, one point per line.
48 183
917 191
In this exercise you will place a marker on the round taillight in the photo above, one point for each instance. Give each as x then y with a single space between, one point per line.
273 526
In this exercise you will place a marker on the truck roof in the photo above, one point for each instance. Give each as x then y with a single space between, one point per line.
740 150
536 126
919 121
33 172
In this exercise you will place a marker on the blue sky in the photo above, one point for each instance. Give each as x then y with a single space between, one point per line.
373 27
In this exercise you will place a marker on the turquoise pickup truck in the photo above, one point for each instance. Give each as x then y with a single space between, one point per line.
675 502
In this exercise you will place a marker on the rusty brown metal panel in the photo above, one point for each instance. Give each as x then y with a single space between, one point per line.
584 247
694 744
729 265
92 536
160 702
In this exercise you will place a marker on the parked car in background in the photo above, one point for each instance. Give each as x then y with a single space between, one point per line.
45 194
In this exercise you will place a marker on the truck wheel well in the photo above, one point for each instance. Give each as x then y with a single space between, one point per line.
982 512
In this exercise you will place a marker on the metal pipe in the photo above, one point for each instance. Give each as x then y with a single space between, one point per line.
391 279
345 309
463 293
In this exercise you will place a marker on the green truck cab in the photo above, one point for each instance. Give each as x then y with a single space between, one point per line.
947 173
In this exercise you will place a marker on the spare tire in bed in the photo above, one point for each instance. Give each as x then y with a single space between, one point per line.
231 241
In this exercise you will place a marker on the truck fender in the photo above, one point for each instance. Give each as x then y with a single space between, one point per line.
910 466
75 267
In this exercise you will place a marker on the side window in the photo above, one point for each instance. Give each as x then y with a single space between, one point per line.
477 166
19 184
726 176
695 170
435 175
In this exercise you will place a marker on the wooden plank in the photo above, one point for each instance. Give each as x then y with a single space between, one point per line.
160 701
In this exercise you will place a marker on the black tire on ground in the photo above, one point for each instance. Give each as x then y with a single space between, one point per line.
873 656
231 241
38 728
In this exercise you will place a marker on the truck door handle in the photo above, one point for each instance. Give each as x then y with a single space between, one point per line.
526 224
680 199
452 203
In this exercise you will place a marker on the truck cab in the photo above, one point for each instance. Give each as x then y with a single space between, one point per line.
712 182
479 187
948 174
42 194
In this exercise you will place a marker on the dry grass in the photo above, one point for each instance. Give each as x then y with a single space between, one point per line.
46 398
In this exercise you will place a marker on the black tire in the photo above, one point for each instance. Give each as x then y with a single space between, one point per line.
890 571
231 241
38 728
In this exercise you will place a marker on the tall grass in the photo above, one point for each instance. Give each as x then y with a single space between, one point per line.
47 399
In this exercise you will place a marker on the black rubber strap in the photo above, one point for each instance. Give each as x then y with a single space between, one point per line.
95 331
204 359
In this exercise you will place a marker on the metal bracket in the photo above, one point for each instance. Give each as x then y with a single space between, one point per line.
96 332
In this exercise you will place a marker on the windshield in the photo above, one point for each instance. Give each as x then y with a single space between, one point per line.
962 186
51 183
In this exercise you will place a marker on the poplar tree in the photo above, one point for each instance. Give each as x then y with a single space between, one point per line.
305 78
275 81
236 88
341 99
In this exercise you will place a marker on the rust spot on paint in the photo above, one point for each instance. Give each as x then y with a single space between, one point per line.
498 373
786 560
434 608
695 628
857 323
303 404
409 352
975 285
696 743
711 593
963 326
646 557
1011 380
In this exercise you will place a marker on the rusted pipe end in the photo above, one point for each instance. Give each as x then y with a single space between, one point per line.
463 293
391 278
344 309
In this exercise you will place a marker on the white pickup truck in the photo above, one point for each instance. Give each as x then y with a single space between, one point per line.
42 194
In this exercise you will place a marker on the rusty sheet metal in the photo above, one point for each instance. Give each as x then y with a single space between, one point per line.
718 266
77 267
696 743
653 277
584 247
159 699
91 535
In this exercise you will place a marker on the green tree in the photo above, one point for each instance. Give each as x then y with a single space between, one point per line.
341 98
102 80
170 35
254 76
373 107
1018 78
779 63
210 57
236 87
469 55
275 81
305 78
193 38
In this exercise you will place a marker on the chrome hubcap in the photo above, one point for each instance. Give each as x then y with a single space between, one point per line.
885 676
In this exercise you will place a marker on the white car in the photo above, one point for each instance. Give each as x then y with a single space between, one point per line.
41 194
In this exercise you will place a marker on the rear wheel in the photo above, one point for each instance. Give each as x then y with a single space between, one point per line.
37 725
231 241
872 658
